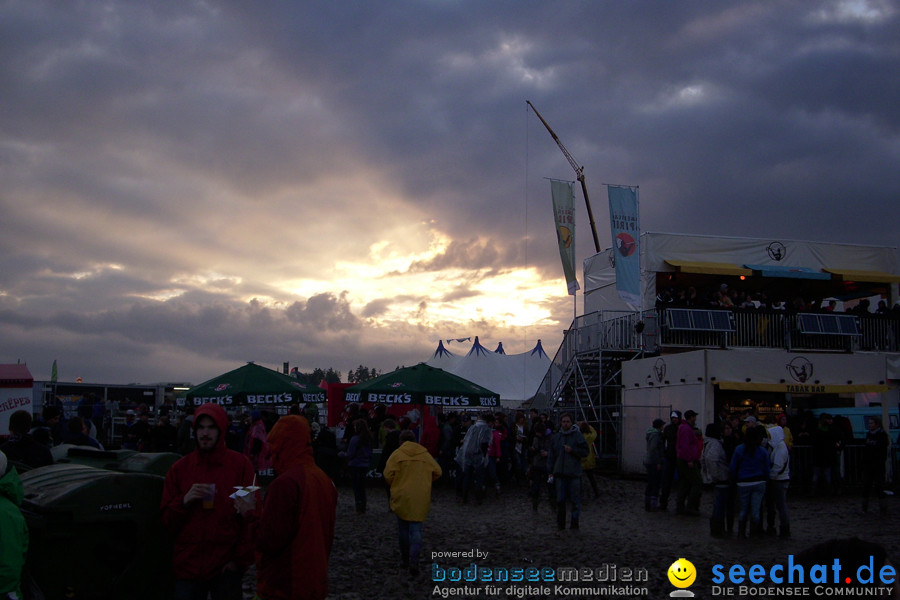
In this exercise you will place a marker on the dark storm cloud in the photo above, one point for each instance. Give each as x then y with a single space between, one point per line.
321 331
136 135
459 293
376 307
466 254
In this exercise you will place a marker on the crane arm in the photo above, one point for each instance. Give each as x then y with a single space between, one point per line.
579 173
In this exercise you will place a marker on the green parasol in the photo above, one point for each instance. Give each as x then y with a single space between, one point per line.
423 384
253 385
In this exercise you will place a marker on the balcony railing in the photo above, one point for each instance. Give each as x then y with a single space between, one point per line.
649 330
774 329
632 332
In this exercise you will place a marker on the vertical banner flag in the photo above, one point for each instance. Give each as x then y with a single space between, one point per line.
564 216
626 235
53 372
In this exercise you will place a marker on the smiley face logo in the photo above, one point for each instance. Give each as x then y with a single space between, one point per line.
682 573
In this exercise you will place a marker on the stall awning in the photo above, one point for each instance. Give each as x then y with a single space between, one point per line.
801 388
15 376
868 276
709 268
789 272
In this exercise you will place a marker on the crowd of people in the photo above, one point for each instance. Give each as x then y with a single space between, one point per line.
218 533
747 463
485 454
725 296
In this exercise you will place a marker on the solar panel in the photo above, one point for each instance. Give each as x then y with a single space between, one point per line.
722 320
699 319
809 323
828 324
848 325
679 318
702 320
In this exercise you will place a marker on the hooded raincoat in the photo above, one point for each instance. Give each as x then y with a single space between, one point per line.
207 539
410 471
656 447
589 462
296 530
779 457
714 466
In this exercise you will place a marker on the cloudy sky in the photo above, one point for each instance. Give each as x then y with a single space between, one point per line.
187 186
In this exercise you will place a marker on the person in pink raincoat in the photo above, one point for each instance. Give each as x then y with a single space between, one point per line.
256 444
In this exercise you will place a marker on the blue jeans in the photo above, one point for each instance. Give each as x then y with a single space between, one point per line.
473 474
751 497
410 534
492 470
721 495
668 479
358 478
654 480
569 488
519 465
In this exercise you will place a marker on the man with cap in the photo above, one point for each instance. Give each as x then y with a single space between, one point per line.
14 536
131 431
670 437
211 549
749 422
688 448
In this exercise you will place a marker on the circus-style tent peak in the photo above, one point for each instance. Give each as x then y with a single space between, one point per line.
539 350
478 350
516 377
441 351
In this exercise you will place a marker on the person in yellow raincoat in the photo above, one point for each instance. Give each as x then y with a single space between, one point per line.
589 462
410 470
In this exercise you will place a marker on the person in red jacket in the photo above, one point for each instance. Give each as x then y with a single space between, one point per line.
431 435
295 532
211 549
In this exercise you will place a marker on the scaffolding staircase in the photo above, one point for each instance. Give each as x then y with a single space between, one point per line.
585 376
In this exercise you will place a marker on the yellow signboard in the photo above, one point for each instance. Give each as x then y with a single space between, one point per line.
802 388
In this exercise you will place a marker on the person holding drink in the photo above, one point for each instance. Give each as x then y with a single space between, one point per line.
211 551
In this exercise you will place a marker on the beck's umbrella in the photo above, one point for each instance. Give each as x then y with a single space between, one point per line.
423 384
253 385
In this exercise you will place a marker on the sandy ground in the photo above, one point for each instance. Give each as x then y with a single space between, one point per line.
615 532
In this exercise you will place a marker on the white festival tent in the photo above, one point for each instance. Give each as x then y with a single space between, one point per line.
516 377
